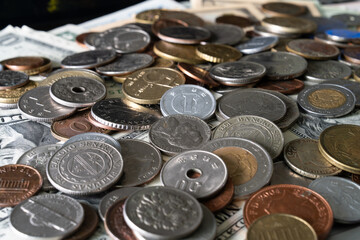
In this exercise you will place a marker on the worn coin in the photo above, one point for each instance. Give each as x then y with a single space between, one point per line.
351 85
312 49
319 71
12 96
100 137
198 74
257 44
12 79
342 35
239 21
283 9
217 53
221 200
292 86
149 16
322 37
289 24
164 23
88 59
98 124
225 34
351 20
184 35
89 40
352 55
284 175
80 39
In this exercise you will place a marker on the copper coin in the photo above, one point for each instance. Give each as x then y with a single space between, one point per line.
198 74
99 125
352 55
242 22
23 63
17 183
74 125
115 224
291 199
164 23
286 87
81 38
312 49
221 200
355 178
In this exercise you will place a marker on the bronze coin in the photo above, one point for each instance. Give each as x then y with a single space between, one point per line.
355 178
283 9
221 200
242 22
286 87
74 125
312 49
352 55
23 63
17 183
99 125
291 199
164 23
81 38
198 74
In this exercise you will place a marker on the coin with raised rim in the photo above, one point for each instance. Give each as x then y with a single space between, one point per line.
283 9
311 49
23 63
12 96
225 33
88 59
319 71
218 53
177 52
284 175
100 137
257 44
198 74
289 24
351 85
184 35
12 79
292 86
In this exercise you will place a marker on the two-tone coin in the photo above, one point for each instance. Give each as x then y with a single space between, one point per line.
351 85
88 59
319 71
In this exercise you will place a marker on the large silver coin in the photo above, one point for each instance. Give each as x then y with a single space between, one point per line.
162 213
258 44
351 85
179 133
319 71
85 167
47 216
36 104
100 137
188 99
284 175
200 173
77 91
12 79
88 59
225 34
38 158
342 194
327 100
254 128
250 165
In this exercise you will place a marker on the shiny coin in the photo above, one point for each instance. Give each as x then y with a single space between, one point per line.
45 66
186 213
319 71
254 128
37 105
352 55
218 53
327 100
88 59
225 34
23 63
57 216
149 16
266 32
289 24
292 86
178 173
250 166
179 133
284 175
351 20
100 137
283 9
351 85
279 65
85 167
312 49
12 79
343 196
239 21
77 91
222 199
198 74
184 35
12 96
257 44
188 99
342 35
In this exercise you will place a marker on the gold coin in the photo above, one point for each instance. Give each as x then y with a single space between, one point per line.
218 53
289 25
280 226
177 52
13 95
327 98
120 79
148 16
64 73
162 62
147 86
340 145
40 69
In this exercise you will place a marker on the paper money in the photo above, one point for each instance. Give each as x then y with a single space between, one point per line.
68 31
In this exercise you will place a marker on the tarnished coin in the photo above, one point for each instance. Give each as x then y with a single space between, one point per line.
88 59
342 35
343 196
184 35
327 100
12 79
85 167
352 55
77 91
186 213
225 34
254 128
257 44
312 49
188 99
284 175
351 20
283 9
80 39
164 23
179 133
279 65
12 96
320 71
100 137
292 86
351 85
149 16
239 21
198 74
289 24
37 105
47 216
217 53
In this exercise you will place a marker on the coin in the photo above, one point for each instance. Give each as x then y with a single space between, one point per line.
12 96
351 20
266 32
340 146
100 137
325 23
98 124
149 16
284 175
319 71
351 85
289 24
183 34
23 63
239 21
164 23
88 59
293 86
225 34
148 85
355 178
221 200
327 100
341 35
12 79
283 9
198 74
218 53
311 49
257 44
311 206
322 37
342 195
352 55
46 66
89 40
80 39
162 62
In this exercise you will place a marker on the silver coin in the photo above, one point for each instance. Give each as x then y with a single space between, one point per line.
12 79
342 194
351 85
284 175
184 35
77 91
200 173
126 64
353 66
89 40
327 100
142 162
351 20
36 104
250 165
225 34
227 89
257 44
266 32
279 65
47 216
252 102
178 133
122 114
341 35
162 213
8 105
88 59
85 167
322 37
114 196
254 128
188 99
38 158
100 137
319 71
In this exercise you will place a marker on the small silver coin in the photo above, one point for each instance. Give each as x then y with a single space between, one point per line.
188 99
89 40
279 65
88 59
351 20
225 34
351 85
12 79
257 44
184 35
47 216
319 71
85 167
178 133
38 158
266 32
240 167
37 105
77 91
284 175
100 137
327 100
126 64
200 173
342 194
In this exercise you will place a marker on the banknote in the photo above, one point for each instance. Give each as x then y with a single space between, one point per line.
68 31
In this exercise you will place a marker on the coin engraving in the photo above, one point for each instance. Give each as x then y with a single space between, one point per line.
327 98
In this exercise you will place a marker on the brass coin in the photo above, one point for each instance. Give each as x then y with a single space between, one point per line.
289 25
218 53
283 9
147 86
120 79
312 49
150 16
13 95
319 98
162 62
